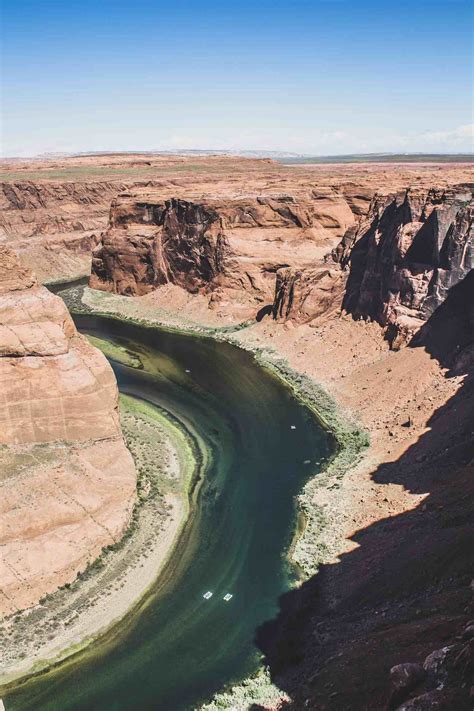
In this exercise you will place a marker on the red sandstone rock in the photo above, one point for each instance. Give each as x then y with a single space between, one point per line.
406 255
306 295
68 482
231 244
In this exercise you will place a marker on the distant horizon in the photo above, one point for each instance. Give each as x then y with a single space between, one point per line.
233 152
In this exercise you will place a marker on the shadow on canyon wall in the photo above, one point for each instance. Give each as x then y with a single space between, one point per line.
404 591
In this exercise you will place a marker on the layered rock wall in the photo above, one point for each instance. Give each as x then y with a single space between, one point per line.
229 245
67 479
407 254
54 225
396 266
28 208
307 295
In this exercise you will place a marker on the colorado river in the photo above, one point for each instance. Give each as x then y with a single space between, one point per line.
177 648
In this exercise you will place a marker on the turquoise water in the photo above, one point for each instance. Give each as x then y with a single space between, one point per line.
177 649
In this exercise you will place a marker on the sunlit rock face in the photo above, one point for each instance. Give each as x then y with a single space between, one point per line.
231 245
67 480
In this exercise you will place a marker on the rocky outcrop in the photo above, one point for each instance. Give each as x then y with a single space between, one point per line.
358 196
400 596
306 295
68 481
441 682
229 245
406 255
53 211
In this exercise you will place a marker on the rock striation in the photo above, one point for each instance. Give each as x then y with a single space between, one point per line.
67 479
53 210
405 256
307 295
395 266
225 246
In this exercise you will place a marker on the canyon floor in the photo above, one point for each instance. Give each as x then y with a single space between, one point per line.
395 568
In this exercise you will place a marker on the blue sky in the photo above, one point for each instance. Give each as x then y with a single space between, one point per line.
320 76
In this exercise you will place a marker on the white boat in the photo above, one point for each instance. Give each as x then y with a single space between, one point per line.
208 595
293 427
228 597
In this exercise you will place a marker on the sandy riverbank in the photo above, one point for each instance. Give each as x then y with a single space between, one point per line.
71 618
190 315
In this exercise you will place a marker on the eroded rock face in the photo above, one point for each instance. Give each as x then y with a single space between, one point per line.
67 480
234 245
306 295
54 226
30 208
406 255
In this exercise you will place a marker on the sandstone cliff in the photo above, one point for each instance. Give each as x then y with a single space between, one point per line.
406 255
52 211
54 225
67 480
399 261
228 246
306 295
30 208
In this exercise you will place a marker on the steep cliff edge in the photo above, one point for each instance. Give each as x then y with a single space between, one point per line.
406 255
230 247
53 210
396 266
67 480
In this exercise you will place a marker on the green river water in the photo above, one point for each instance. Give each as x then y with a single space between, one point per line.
176 648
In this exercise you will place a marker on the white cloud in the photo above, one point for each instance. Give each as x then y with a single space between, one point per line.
320 142
458 136
456 140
